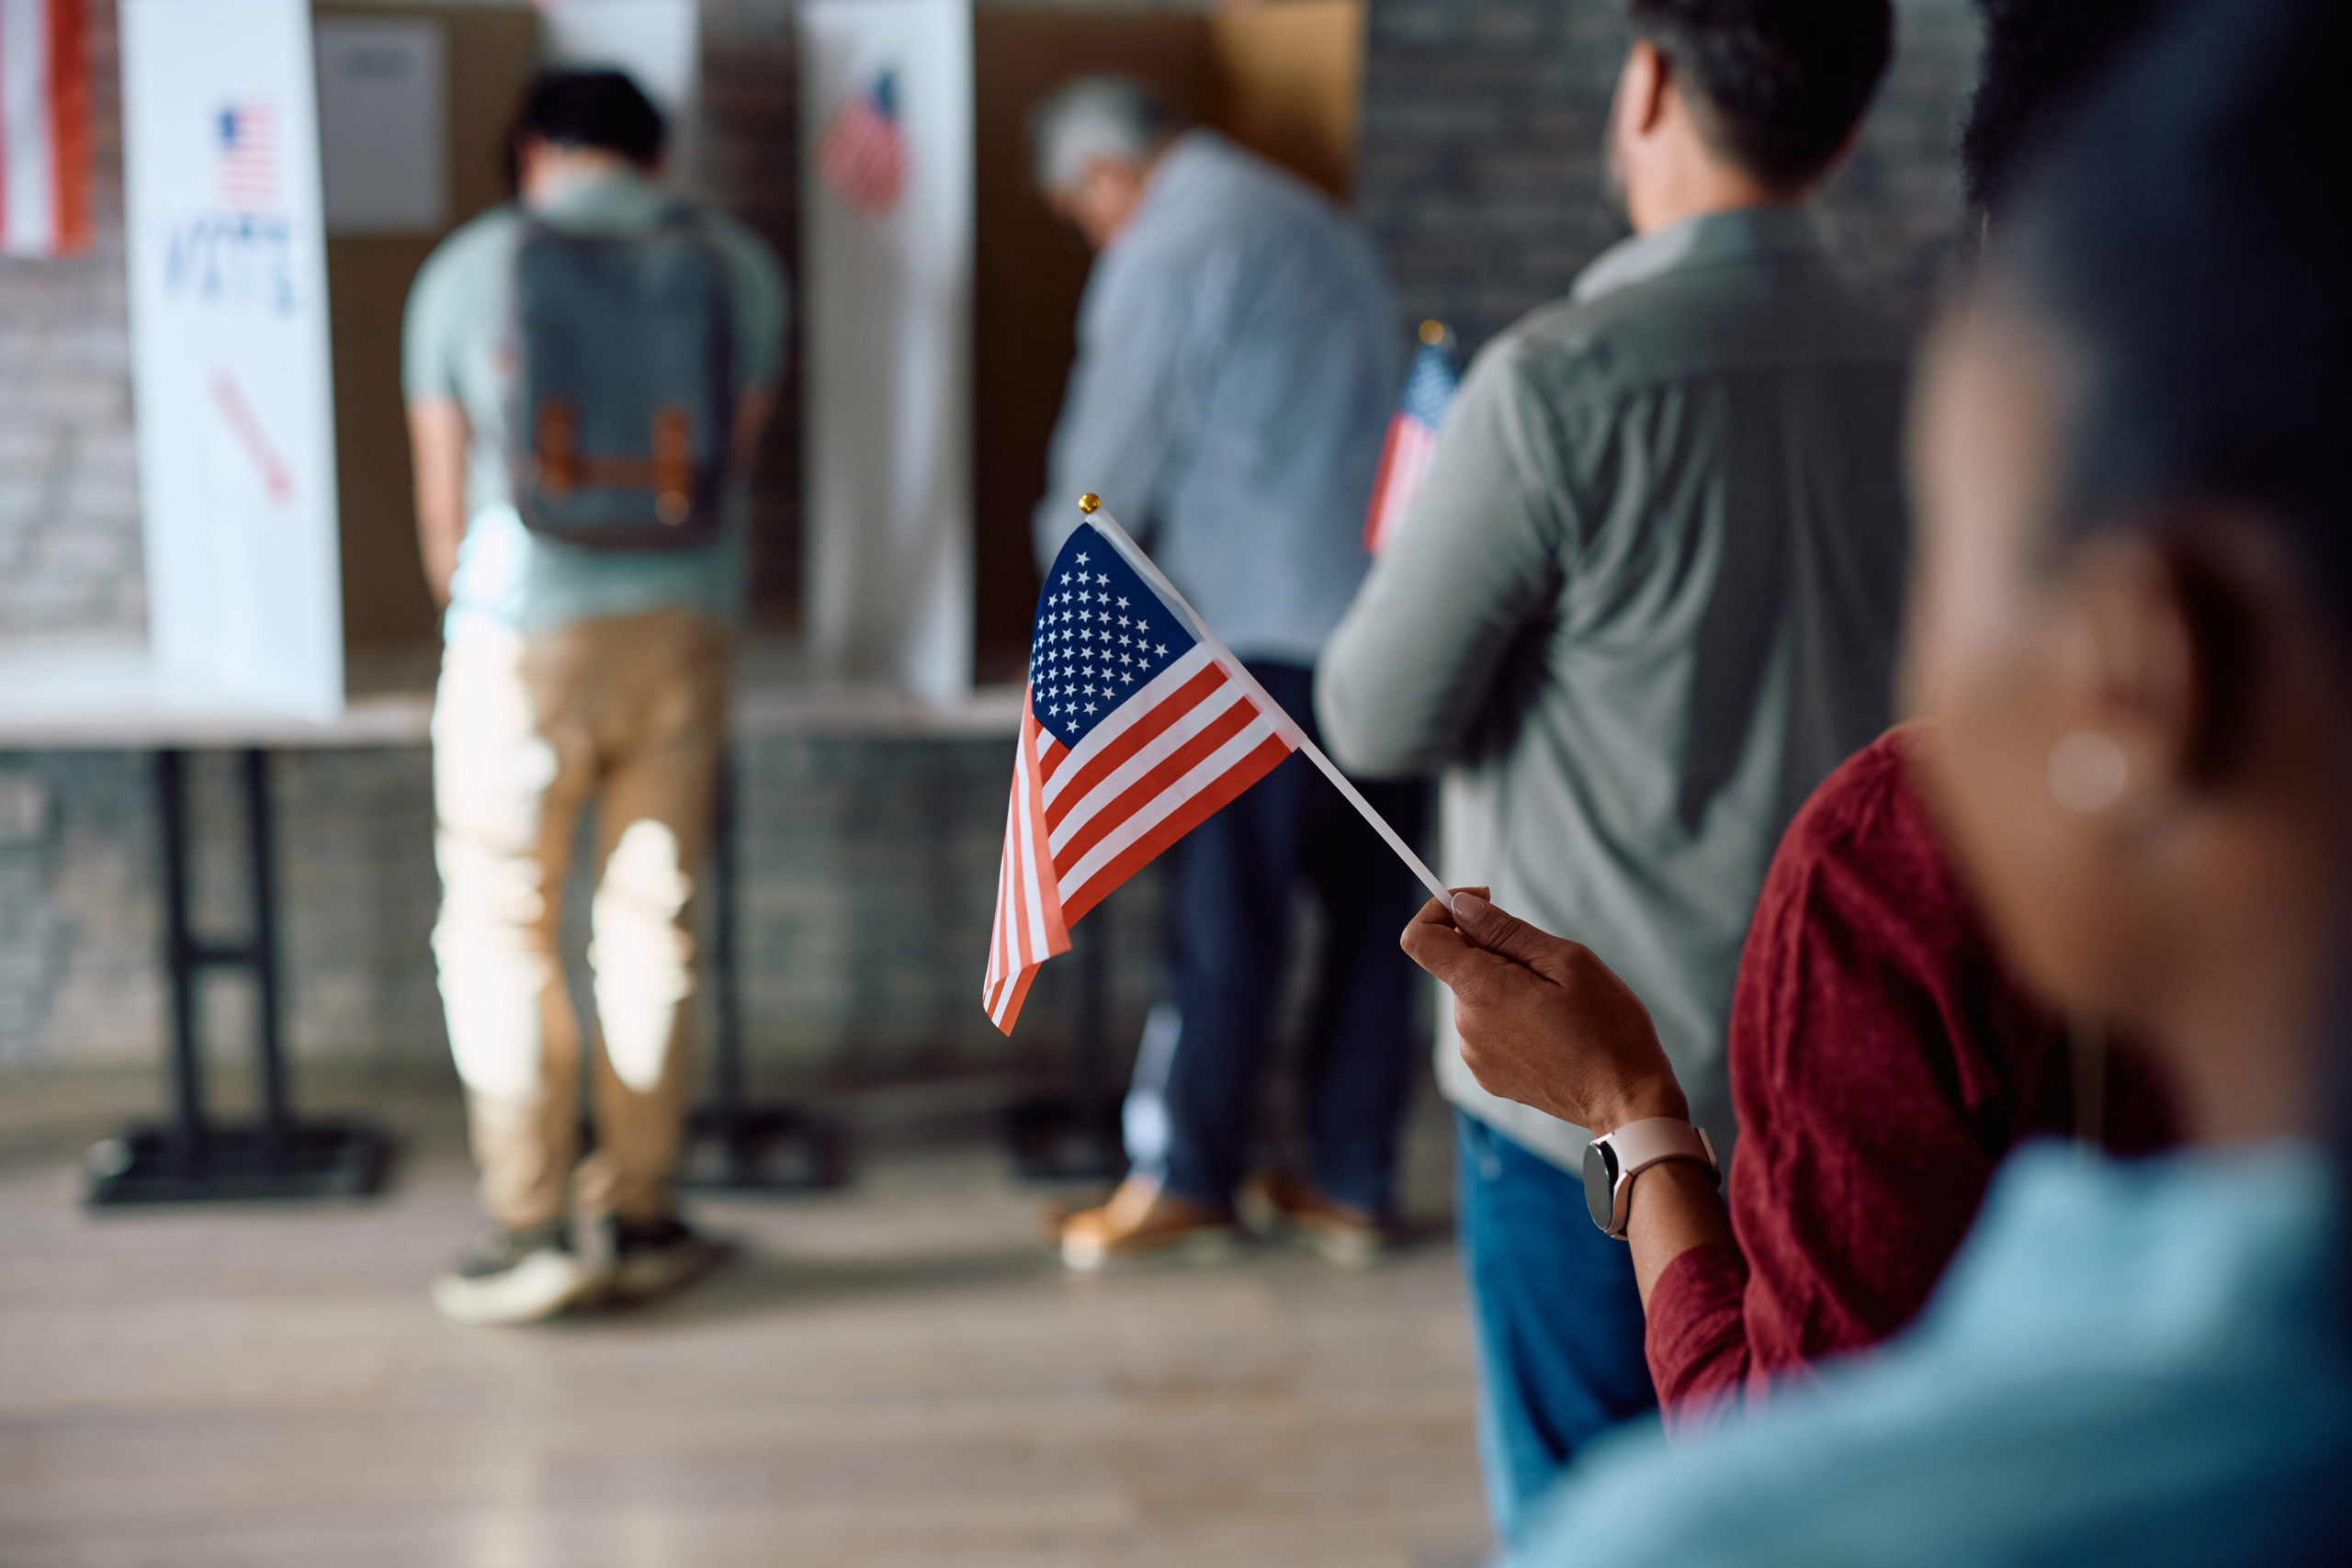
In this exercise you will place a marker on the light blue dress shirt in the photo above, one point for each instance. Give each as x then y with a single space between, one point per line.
1238 365
2139 1364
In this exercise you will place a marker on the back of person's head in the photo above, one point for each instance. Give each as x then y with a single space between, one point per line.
2039 56
602 112
1104 116
2187 237
1776 86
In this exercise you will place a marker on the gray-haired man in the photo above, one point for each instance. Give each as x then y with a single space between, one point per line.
1237 362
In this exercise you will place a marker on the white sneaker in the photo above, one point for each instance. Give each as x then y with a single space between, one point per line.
518 1276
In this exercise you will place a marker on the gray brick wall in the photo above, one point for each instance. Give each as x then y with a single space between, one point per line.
869 878
1481 171
68 498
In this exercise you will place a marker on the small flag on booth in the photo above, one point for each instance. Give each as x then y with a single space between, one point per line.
44 128
1412 434
863 154
1139 726
245 145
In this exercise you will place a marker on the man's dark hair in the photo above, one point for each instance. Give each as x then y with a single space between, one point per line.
602 109
1777 85
2039 57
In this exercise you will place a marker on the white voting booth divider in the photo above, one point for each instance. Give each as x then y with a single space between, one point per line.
888 284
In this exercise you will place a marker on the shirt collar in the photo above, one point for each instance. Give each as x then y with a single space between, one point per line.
1712 239
617 198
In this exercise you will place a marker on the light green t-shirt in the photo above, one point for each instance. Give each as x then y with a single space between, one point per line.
452 348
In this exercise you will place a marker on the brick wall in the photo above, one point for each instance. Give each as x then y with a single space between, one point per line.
1481 169
68 498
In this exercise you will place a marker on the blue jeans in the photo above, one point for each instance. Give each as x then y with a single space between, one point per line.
1558 1316
1192 1111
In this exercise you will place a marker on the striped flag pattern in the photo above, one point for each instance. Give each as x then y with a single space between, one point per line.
1139 726
863 154
1412 434
248 157
44 128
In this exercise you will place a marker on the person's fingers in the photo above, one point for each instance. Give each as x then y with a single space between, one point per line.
1500 932
1434 944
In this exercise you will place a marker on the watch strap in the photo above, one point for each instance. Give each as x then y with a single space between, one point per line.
1654 1140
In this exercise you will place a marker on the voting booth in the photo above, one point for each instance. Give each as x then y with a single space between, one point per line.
287 168
940 314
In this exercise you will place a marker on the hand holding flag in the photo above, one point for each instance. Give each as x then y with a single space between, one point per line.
1140 726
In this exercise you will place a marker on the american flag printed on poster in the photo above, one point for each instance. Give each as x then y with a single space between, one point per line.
1412 434
1134 732
246 143
44 128
863 154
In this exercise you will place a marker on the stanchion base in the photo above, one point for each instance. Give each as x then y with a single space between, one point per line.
1052 1140
147 1165
775 1149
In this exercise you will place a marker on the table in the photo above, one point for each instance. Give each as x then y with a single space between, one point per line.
107 697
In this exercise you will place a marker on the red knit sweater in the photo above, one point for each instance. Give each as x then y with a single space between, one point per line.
1882 1064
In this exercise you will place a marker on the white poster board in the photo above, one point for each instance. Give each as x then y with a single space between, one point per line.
229 349
889 353
384 125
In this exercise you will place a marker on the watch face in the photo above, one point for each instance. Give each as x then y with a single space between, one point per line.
1601 1184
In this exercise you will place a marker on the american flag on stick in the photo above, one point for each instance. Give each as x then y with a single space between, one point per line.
1412 434
1140 726
863 154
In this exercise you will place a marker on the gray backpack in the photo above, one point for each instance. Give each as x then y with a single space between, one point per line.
624 400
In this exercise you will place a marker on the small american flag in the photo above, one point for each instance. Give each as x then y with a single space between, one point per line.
863 154
1136 731
247 137
1412 434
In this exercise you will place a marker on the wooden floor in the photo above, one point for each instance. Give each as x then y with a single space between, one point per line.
899 1375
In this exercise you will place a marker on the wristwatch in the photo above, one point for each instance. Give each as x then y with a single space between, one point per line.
1611 1163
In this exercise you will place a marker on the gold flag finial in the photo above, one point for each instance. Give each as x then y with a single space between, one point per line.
1432 331
1090 503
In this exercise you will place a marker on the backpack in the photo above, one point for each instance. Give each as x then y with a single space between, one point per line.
623 408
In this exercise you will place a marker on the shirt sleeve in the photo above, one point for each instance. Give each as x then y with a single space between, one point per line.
760 301
1475 559
428 330
1125 413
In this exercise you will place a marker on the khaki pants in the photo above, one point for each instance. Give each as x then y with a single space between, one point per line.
629 711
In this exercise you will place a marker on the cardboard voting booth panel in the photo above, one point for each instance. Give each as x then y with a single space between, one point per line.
288 167
883 515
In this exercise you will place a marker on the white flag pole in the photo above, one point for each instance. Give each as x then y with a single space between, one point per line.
1285 725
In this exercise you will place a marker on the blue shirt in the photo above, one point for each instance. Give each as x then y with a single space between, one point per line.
2140 1363
452 348
1236 369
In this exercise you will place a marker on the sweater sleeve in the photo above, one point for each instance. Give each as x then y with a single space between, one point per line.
1876 1055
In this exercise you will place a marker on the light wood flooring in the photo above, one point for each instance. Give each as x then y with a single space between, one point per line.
898 1375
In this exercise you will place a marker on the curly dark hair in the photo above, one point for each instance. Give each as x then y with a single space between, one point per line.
1776 85
2038 54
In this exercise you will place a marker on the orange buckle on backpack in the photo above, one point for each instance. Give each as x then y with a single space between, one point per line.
556 453
674 467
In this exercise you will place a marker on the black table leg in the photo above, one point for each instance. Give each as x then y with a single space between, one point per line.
1075 1137
194 1159
734 1146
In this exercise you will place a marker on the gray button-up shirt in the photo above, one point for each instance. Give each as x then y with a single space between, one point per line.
1647 597
1236 369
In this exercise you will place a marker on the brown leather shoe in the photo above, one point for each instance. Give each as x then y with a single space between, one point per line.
1140 1222
1277 1204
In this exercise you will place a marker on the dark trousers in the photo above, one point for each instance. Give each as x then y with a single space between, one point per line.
1191 1113
1558 1319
